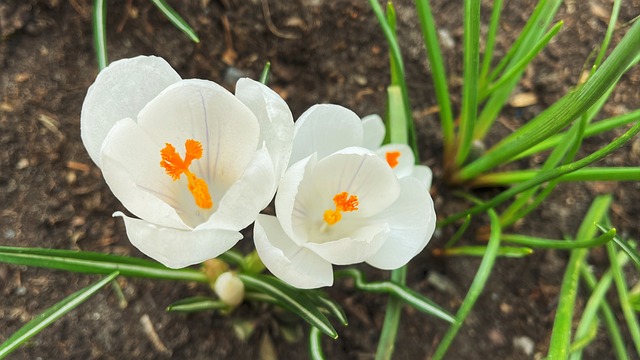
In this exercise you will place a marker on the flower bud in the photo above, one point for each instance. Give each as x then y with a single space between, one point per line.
229 288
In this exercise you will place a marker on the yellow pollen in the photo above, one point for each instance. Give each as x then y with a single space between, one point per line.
175 166
392 158
344 203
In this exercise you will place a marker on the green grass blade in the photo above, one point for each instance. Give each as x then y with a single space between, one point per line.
100 32
623 295
315 344
585 174
329 305
591 129
458 234
560 343
438 73
564 111
545 176
610 29
176 19
504 251
52 314
389 332
470 78
264 75
540 243
397 125
476 287
95 263
196 304
290 299
491 40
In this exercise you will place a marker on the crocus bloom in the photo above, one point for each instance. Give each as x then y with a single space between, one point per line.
193 162
340 205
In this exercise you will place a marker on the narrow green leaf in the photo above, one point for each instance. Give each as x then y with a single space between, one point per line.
506 251
438 73
52 314
559 347
176 19
476 288
389 333
613 19
290 299
397 125
564 111
321 300
264 76
629 249
559 244
315 344
197 303
100 32
471 55
491 39
95 263
463 228
547 176
623 295
585 174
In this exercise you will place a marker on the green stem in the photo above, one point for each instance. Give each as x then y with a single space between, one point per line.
389 332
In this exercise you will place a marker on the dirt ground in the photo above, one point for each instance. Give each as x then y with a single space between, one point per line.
53 196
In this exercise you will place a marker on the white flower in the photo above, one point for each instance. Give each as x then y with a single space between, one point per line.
193 162
340 205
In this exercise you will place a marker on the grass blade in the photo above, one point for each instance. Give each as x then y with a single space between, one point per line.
315 344
389 332
176 19
52 314
490 41
95 263
506 251
540 243
623 295
100 32
585 174
196 304
264 75
290 299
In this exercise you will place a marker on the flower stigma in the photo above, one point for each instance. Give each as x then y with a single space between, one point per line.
344 203
392 158
175 166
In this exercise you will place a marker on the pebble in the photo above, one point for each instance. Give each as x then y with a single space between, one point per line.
524 344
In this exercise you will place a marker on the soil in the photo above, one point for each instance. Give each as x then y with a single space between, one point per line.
53 196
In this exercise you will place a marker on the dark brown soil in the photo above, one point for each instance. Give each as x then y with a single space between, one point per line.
51 194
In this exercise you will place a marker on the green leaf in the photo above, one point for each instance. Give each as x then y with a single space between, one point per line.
315 344
506 251
95 263
330 306
392 314
176 19
397 125
540 243
197 303
585 174
290 299
100 32
264 76
52 314
628 248
623 295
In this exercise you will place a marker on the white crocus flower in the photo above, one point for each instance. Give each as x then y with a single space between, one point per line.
340 205
193 162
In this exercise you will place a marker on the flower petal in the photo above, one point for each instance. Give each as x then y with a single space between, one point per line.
362 244
289 208
358 172
274 117
120 91
297 266
134 177
403 156
374 131
178 248
412 220
246 197
424 174
325 129
206 112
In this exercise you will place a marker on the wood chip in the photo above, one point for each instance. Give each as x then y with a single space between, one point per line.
523 100
74 165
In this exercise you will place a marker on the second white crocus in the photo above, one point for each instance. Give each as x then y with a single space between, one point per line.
193 162
341 205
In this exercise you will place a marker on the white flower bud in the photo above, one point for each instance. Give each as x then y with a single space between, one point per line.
229 288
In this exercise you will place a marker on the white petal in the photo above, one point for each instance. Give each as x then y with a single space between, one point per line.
325 129
274 117
120 91
362 243
246 197
406 160
412 220
205 111
424 174
178 248
374 131
358 172
297 266
130 168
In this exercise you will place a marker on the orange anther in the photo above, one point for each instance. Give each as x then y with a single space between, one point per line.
344 203
175 166
392 158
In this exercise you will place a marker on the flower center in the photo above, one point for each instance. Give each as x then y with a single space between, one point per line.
392 158
175 166
344 203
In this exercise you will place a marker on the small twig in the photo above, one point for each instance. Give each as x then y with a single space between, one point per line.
272 27
151 333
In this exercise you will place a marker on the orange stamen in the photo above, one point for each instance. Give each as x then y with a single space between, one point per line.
344 203
175 166
392 158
